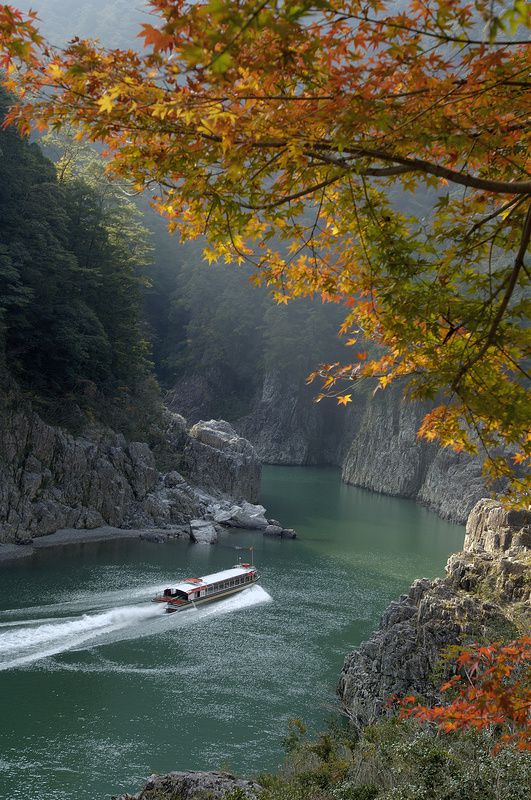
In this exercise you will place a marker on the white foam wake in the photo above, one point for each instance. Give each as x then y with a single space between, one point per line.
27 643
37 639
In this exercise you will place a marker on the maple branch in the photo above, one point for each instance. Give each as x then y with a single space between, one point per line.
414 164
288 198
442 37
462 178
369 171
516 201
518 264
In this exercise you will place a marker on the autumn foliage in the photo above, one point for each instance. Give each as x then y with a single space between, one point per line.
493 691
368 156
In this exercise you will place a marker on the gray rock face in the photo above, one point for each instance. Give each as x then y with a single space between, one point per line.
273 530
494 529
287 427
387 456
374 441
203 532
51 480
194 786
486 594
216 457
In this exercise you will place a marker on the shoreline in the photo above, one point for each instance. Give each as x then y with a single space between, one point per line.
65 537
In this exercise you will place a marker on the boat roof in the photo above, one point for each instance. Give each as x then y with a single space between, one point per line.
193 584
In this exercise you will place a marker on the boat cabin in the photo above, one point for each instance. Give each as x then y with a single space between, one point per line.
226 582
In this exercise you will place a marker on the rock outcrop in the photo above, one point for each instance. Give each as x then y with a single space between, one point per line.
374 442
216 457
194 786
387 456
485 595
203 532
50 479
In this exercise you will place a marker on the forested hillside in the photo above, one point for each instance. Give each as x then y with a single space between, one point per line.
72 254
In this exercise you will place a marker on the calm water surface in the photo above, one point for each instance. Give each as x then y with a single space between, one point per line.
98 688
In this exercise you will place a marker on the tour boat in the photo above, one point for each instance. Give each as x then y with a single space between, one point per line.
195 591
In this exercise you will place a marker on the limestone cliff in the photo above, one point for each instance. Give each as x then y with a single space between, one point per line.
387 456
375 442
485 596
50 479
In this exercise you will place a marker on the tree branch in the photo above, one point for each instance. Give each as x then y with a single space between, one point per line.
518 264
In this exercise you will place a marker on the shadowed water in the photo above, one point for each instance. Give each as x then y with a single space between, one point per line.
99 688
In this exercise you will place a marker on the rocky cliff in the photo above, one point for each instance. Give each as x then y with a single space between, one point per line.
387 456
485 596
216 457
374 442
286 426
50 479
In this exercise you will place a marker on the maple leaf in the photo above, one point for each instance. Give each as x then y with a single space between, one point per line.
106 103
343 399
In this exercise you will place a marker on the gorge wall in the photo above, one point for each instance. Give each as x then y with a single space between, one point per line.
374 442
50 479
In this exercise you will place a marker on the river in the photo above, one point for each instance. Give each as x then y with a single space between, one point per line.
99 688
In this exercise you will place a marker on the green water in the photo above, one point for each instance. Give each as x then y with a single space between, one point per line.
98 688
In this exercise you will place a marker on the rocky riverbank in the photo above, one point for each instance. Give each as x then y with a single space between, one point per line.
374 441
485 596
192 482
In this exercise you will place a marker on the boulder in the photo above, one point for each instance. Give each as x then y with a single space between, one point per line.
223 515
195 786
273 530
216 457
173 479
288 533
203 532
247 516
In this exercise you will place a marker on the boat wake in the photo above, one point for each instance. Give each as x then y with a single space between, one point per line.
25 641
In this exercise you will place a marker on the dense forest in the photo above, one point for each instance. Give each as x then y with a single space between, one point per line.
72 254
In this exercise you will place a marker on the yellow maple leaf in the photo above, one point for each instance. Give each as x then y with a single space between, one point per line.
343 399
106 103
